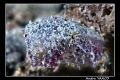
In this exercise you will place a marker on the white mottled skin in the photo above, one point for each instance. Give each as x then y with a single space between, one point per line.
58 36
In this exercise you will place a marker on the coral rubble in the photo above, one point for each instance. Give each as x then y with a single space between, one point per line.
15 50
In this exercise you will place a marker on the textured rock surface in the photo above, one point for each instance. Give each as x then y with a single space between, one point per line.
100 16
